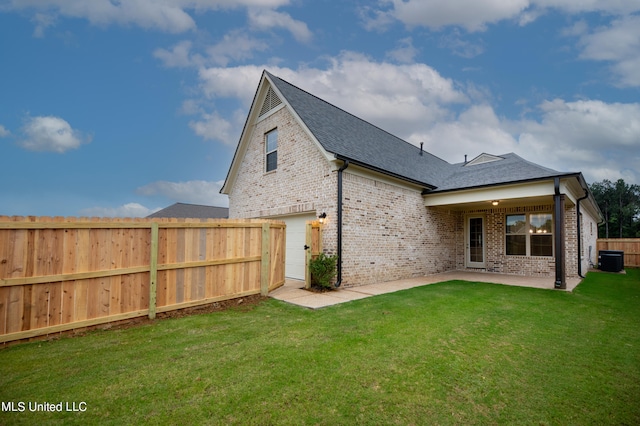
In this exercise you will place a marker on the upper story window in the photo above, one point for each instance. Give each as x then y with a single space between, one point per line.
529 234
271 150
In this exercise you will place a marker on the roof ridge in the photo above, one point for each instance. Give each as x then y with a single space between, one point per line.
356 117
534 164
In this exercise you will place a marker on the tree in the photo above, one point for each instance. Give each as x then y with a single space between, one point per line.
620 205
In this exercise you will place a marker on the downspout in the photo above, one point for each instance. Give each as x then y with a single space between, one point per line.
558 206
340 170
579 231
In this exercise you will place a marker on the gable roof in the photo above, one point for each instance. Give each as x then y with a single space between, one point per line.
348 137
192 211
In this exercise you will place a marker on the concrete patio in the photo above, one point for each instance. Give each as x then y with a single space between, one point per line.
293 290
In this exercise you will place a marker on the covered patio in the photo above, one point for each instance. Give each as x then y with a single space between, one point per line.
293 290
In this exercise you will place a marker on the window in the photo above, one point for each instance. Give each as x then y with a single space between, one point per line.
271 150
529 234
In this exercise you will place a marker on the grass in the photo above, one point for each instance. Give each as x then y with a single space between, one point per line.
448 353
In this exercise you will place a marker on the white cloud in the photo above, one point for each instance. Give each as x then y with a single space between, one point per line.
213 127
613 7
126 210
475 130
404 53
595 137
4 132
265 19
234 46
162 15
599 139
602 140
459 46
147 14
49 133
417 97
42 21
230 82
194 191
476 15
618 43
179 56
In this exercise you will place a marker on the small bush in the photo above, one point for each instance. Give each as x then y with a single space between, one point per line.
323 270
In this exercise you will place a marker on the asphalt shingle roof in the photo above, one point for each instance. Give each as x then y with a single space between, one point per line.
346 135
350 137
512 168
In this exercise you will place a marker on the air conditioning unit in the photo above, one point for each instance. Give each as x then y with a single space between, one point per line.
611 260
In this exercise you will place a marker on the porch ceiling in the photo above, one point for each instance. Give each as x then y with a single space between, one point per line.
533 193
502 203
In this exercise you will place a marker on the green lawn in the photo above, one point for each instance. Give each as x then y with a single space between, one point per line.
449 353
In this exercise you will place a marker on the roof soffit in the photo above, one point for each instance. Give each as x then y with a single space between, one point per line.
502 193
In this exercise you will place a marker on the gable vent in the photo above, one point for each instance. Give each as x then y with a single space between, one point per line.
270 101
483 158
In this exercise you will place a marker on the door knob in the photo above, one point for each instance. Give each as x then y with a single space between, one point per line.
306 247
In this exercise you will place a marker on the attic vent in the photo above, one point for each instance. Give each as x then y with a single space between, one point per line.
270 101
483 158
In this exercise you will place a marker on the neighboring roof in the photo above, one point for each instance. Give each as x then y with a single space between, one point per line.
193 211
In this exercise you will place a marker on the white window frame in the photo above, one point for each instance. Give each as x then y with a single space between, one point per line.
267 152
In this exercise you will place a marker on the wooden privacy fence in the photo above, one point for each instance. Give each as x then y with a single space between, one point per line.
630 246
59 274
313 238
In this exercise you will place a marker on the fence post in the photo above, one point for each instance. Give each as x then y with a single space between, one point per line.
265 262
308 238
153 270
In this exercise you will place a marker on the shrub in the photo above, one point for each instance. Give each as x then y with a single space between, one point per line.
323 270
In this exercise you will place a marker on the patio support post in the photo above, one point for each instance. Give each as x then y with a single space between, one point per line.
558 235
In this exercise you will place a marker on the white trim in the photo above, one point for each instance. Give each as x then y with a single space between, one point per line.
249 127
270 113
356 170
478 195
301 123
467 252
295 239
483 158
267 152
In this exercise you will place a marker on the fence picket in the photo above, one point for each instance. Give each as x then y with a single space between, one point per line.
630 247
59 274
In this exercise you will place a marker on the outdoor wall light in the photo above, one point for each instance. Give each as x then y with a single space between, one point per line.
495 202
322 217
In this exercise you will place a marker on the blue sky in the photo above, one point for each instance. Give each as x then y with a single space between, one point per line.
119 108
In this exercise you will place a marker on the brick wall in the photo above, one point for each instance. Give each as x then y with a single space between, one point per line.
302 182
535 266
388 234
589 233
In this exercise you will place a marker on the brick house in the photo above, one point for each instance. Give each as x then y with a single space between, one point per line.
395 211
